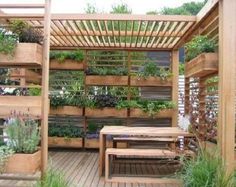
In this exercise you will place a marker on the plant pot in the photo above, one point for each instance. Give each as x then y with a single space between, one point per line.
203 65
138 113
26 54
106 112
94 144
149 81
67 64
97 80
67 110
24 163
65 142
20 104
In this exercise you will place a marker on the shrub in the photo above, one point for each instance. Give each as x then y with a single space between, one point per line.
7 43
206 170
107 71
67 131
199 44
61 56
53 178
23 135
5 153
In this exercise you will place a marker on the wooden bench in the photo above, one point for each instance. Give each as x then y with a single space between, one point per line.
169 141
157 153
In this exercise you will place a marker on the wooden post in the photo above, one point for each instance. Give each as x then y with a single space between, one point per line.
45 84
23 78
227 61
175 88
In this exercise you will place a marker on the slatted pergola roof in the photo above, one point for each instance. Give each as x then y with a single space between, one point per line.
113 31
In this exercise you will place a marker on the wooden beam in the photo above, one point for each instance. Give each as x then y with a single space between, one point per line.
22 6
45 87
175 86
227 65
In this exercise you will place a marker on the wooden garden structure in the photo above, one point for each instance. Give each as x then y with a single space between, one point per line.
132 33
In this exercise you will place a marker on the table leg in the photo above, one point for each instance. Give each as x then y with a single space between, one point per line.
102 147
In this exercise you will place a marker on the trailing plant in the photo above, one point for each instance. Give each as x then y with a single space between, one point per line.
25 32
66 131
5 153
61 56
151 107
23 134
107 71
207 169
7 43
199 44
53 178
151 69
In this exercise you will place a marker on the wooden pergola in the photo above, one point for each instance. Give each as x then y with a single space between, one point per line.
143 33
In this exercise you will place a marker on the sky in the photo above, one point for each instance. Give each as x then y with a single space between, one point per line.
79 6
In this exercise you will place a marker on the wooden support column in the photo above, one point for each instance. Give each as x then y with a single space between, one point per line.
227 64
186 95
23 78
175 87
129 92
45 85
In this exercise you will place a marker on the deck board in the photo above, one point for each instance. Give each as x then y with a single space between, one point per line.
81 169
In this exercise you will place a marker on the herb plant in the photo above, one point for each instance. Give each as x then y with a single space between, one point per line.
5 153
107 71
67 131
199 44
7 43
23 135
61 56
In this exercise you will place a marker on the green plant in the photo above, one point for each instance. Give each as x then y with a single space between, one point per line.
66 131
7 43
107 71
34 91
199 44
181 68
25 32
5 153
208 170
151 69
53 178
23 135
61 56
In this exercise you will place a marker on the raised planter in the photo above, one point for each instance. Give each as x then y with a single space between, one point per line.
149 81
97 80
29 75
20 104
65 142
106 112
26 54
204 64
94 143
67 110
138 113
24 163
67 64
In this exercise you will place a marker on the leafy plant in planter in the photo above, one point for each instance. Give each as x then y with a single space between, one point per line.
7 42
5 153
151 69
101 101
25 32
199 44
23 135
107 71
151 107
67 131
61 56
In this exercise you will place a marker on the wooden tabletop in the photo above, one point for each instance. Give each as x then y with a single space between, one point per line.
144 131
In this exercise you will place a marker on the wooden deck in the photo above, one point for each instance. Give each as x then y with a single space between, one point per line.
81 169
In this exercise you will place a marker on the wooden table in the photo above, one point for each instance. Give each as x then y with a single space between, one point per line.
135 131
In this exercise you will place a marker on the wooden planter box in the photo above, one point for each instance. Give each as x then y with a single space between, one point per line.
26 54
138 113
20 104
67 110
106 112
29 75
68 64
202 65
24 163
94 144
65 142
149 81
97 80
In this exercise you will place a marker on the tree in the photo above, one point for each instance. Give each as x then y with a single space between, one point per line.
121 9
191 8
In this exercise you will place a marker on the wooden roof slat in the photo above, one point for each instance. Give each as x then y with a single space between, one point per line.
87 31
100 31
113 29
132 32
93 30
145 31
106 29
84 38
69 24
139 29
151 33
